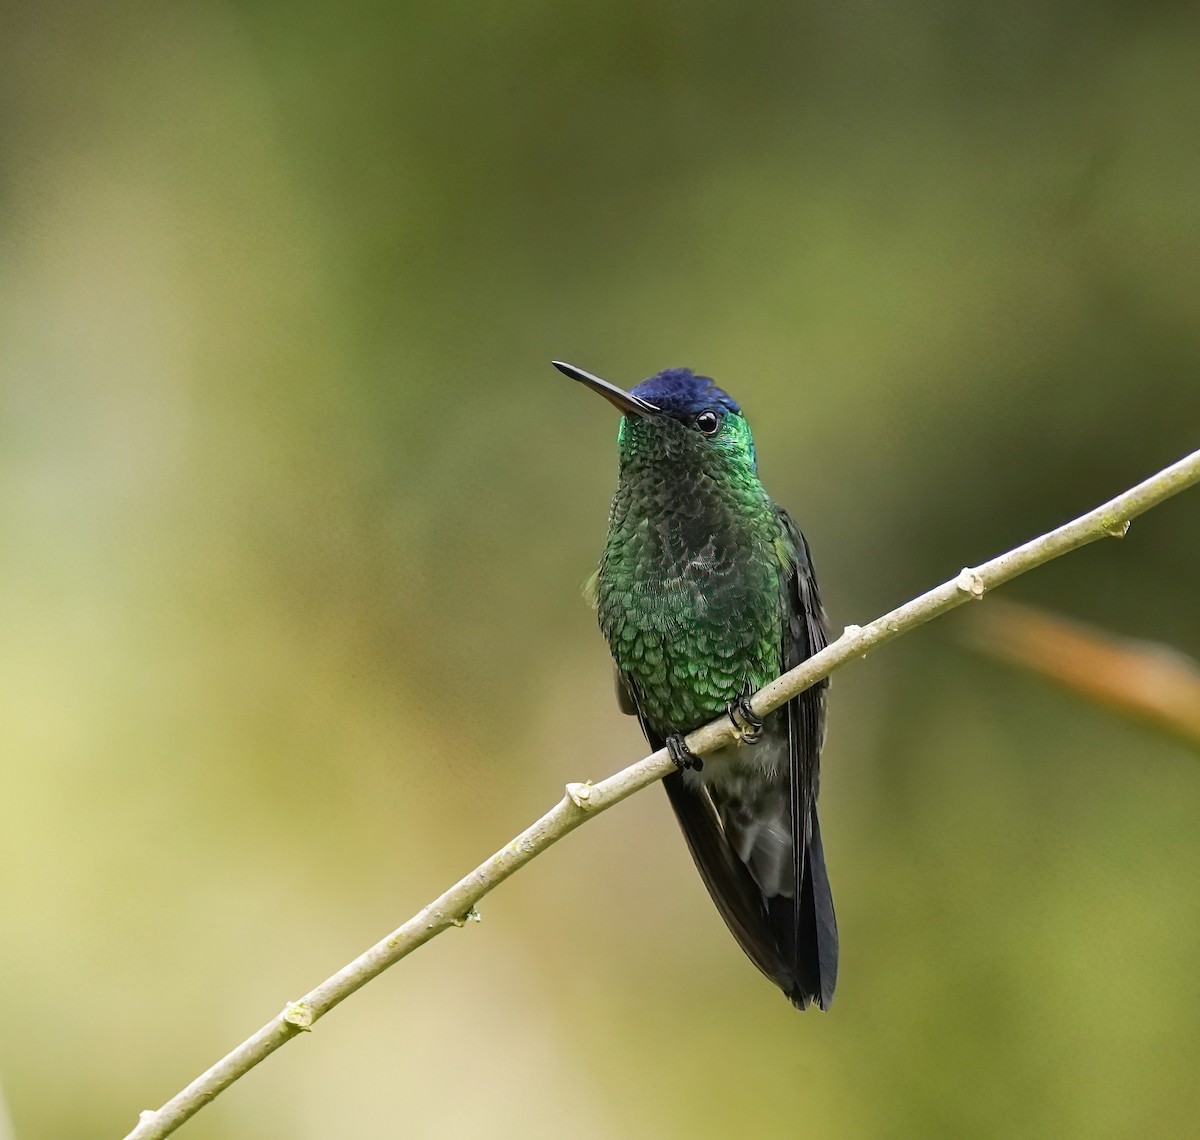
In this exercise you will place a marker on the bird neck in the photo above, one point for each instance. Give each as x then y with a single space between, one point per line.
693 509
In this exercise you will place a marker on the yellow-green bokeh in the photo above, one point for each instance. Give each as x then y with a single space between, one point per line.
294 514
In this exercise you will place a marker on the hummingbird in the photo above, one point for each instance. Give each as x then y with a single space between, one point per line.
706 592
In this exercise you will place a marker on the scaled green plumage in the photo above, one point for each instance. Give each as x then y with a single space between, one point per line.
692 623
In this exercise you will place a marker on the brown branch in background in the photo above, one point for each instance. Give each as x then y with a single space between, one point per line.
1145 680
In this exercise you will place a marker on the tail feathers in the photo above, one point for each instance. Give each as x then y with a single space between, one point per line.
737 896
739 855
810 940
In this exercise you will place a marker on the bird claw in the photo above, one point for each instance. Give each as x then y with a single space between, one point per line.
748 727
681 755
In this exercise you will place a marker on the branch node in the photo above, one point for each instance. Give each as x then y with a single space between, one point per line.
1118 529
581 795
147 1115
850 633
970 582
471 916
298 1014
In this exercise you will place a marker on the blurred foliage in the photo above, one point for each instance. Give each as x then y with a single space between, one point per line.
294 514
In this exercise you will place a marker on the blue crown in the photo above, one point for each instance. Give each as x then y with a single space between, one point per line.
680 392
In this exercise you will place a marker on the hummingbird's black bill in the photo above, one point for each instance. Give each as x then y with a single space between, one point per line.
627 402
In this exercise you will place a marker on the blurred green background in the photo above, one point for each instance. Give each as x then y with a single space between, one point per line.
294 514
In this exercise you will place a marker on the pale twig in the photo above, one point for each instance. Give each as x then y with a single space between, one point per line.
585 800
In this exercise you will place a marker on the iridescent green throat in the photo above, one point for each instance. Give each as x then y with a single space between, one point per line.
692 584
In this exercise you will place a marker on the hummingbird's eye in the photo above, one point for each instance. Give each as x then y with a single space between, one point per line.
708 422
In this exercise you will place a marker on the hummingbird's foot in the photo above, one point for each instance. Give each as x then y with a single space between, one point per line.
682 756
748 726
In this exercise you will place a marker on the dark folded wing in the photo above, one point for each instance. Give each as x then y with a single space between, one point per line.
815 928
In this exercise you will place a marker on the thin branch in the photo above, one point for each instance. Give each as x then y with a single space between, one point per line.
583 801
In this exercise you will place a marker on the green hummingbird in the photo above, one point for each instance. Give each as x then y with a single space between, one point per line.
706 592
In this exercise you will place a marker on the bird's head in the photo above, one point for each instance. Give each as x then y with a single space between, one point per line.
676 417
